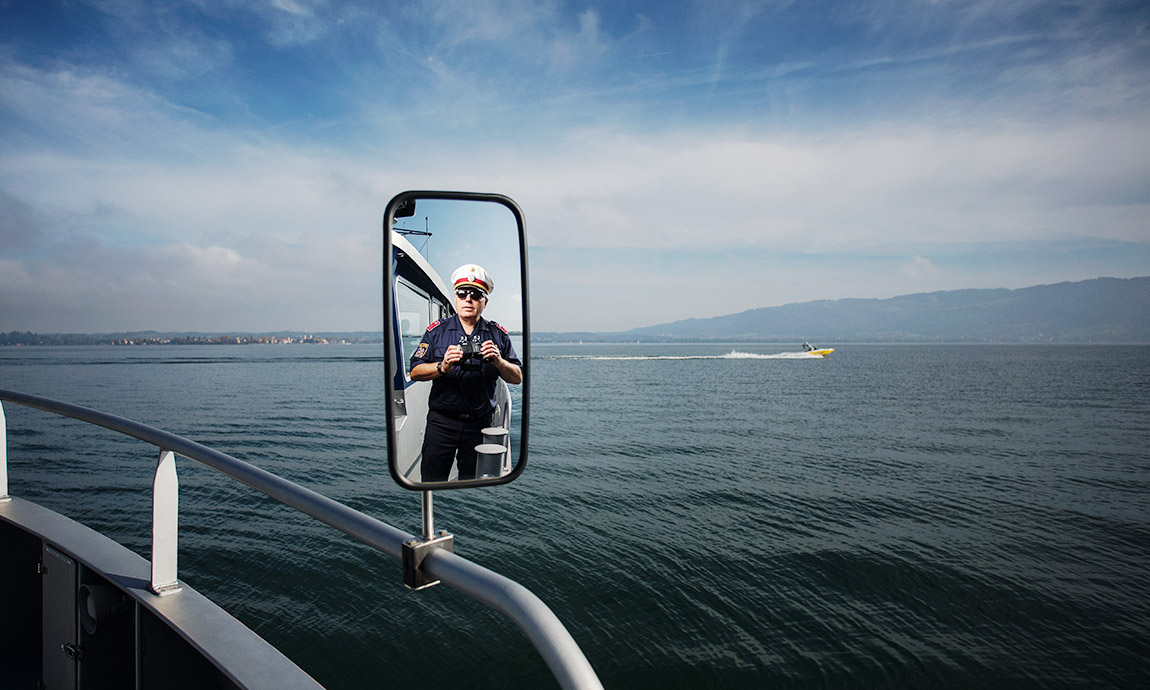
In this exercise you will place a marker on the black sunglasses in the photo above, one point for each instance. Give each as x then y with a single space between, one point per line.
475 295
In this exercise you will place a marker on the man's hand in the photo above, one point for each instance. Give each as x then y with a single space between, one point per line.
452 357
507 371
490 352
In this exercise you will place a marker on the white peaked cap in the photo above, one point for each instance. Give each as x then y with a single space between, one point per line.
472 275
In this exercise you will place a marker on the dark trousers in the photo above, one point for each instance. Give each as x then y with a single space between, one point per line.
447 439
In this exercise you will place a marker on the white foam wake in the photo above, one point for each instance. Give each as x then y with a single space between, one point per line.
734 354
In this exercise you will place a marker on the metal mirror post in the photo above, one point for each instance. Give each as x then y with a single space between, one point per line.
456 419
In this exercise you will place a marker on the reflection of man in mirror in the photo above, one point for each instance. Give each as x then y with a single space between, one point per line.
463 357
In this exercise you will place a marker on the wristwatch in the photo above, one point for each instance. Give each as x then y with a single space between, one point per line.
439 368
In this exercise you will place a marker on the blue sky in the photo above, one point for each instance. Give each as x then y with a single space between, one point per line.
224 164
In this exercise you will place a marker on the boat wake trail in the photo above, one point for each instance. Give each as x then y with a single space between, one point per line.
734 354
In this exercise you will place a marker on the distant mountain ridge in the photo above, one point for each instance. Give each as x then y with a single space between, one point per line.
1091 311
1102 310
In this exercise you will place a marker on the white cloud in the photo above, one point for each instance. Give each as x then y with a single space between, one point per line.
853 188
95 115
574 50
918 267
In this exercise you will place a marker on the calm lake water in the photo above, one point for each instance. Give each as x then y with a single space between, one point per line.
698 515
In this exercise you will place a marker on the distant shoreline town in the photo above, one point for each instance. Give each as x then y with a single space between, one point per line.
27 338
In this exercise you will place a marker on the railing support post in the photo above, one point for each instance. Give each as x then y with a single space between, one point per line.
165 521
3 457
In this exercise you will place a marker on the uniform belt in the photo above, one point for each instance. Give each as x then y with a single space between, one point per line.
461 417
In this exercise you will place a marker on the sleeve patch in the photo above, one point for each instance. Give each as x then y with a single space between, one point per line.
421 351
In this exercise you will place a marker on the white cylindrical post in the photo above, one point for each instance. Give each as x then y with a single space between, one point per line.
489 459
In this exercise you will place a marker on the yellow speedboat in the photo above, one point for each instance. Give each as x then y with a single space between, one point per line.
821 352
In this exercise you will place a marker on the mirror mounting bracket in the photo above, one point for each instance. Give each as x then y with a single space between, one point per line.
415 550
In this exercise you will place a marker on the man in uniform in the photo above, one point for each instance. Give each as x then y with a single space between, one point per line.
463 357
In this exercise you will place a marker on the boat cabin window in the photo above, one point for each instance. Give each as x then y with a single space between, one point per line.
417 310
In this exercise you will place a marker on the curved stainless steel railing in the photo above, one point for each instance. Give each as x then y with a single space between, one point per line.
542 627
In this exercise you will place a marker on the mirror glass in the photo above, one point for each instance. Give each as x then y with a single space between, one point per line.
456 337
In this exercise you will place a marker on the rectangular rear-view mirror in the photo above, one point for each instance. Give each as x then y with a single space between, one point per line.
456 339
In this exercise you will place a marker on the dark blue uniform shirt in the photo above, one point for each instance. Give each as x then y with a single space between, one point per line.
468 390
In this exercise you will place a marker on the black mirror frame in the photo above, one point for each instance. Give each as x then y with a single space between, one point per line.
404 204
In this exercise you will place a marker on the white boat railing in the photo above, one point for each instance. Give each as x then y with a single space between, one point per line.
541 626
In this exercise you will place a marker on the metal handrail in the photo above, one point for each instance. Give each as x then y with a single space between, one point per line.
542 627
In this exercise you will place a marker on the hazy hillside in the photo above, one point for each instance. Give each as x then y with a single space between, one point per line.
1100 310
1104 310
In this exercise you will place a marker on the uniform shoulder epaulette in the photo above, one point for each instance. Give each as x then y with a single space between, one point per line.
499 327
433 325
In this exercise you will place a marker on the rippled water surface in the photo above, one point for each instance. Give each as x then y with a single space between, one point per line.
699 516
